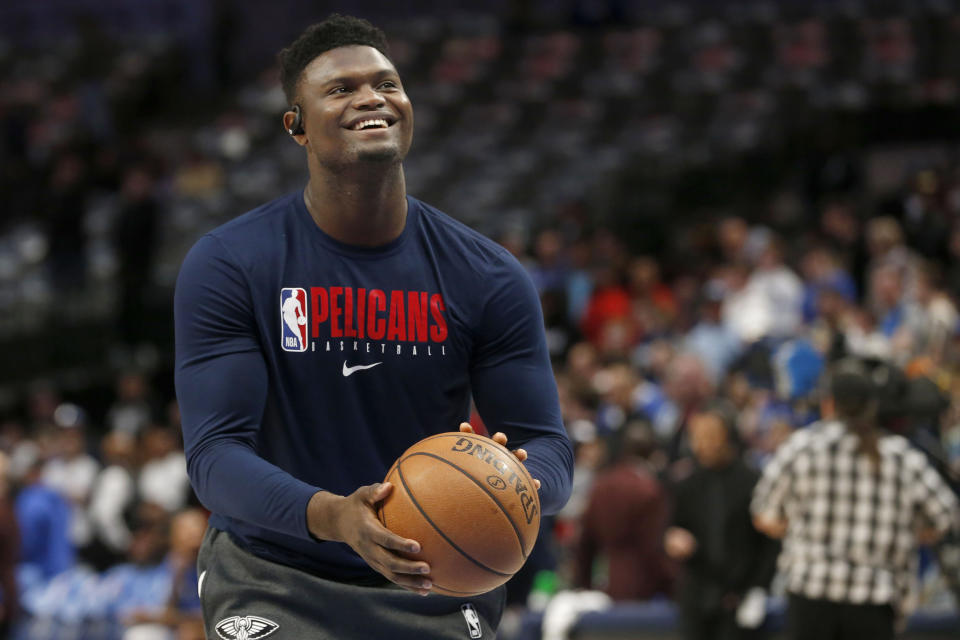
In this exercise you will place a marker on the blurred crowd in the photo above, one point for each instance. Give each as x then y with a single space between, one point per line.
692 189
660 375
738 336
106 528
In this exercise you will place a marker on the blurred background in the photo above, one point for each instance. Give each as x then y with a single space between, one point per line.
714 199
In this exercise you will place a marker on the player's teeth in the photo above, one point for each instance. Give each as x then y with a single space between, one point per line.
368 123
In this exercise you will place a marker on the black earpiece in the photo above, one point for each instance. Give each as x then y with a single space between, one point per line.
296 127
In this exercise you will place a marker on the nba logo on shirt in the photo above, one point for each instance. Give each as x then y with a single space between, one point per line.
293 319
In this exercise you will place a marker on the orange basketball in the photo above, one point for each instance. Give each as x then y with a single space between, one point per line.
470 504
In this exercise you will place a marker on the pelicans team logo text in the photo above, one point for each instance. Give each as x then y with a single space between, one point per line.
363 320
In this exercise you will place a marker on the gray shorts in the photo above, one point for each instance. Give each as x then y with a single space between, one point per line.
245 597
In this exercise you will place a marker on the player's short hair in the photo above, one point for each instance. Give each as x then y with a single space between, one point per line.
336 31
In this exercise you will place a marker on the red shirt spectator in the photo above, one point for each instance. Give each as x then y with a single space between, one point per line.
624 521
606 305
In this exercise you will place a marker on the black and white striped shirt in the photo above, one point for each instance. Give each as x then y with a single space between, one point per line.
851 524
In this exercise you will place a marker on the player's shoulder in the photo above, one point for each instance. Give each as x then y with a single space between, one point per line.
247 237
459 239
252 225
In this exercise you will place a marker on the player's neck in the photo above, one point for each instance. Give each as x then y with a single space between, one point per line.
362 208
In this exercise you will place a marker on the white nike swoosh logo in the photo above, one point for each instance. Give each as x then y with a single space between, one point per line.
360 367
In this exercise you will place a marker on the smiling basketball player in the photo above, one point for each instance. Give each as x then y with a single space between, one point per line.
322 334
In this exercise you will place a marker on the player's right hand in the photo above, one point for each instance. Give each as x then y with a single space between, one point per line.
353 519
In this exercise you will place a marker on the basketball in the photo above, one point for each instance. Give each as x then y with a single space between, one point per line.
470 504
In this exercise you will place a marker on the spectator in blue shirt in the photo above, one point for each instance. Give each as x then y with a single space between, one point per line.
179 608
44 519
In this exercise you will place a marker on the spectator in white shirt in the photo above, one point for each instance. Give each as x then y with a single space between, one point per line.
72 471
163 478
112 499
132 411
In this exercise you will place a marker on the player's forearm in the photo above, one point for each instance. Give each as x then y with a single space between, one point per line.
550 460
232 480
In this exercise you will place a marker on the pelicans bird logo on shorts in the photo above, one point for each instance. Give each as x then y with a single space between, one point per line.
293 319
245 628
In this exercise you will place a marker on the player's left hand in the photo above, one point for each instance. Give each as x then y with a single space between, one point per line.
501 438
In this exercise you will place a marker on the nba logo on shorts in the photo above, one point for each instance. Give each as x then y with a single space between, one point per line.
473 620
293 319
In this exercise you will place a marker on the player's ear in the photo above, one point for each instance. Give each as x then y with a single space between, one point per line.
289 121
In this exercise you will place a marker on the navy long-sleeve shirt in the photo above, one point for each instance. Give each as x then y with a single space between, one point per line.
304 364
